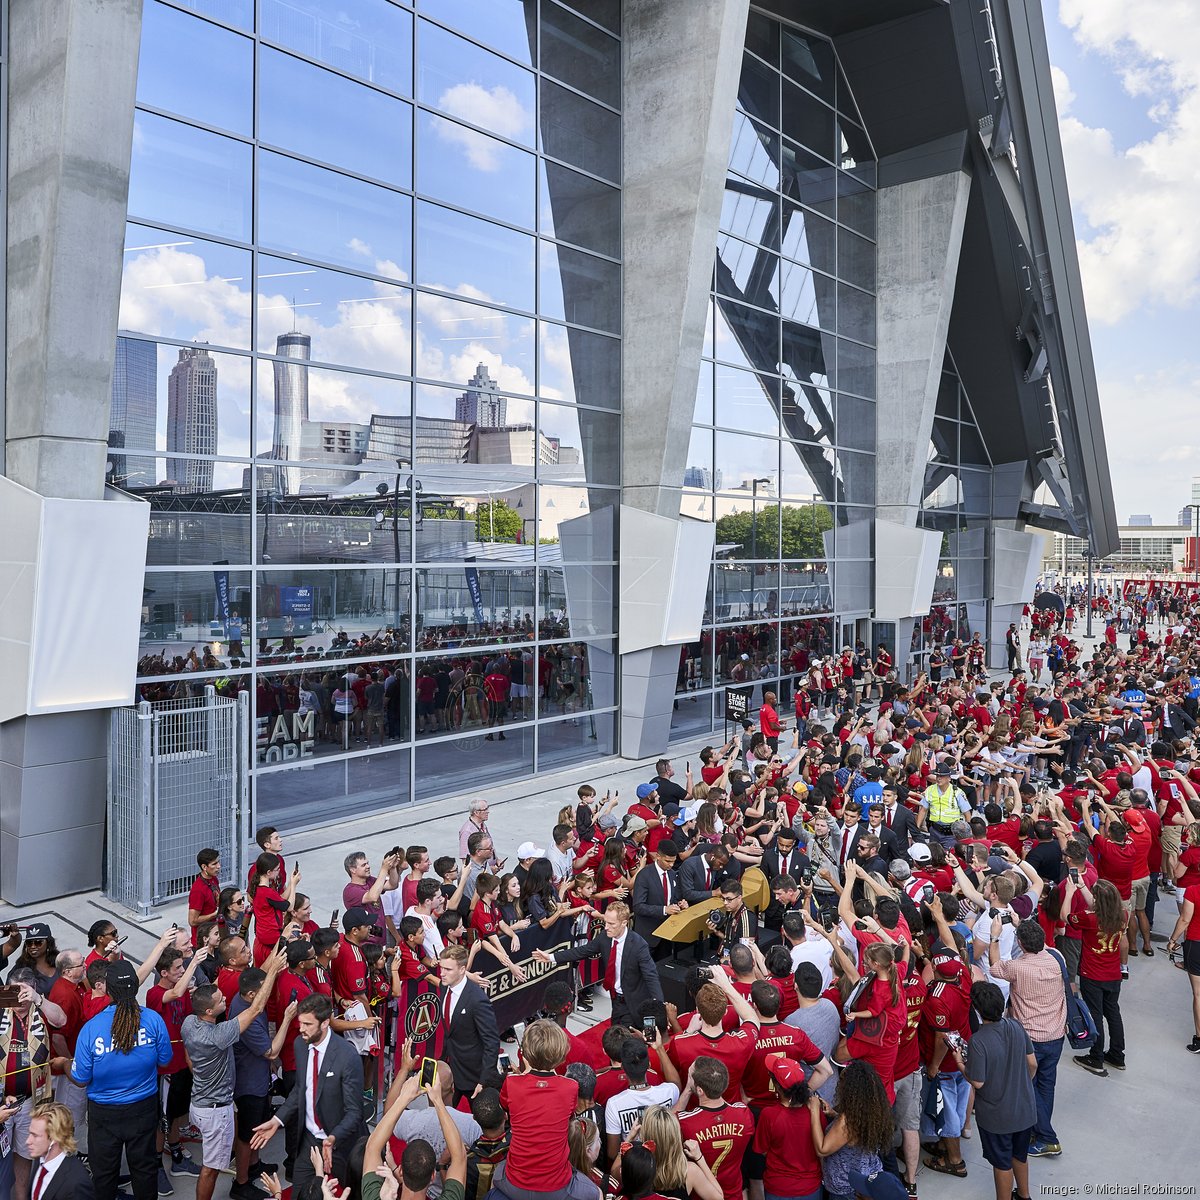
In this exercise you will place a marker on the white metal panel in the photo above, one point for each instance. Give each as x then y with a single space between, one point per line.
1018 559
906 562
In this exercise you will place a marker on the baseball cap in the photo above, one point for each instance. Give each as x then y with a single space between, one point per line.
39 929
645 789
634 824
670 810
608 821
919 852
784 1071
530 850
686 814
121 979
355 918
947 964
879 1185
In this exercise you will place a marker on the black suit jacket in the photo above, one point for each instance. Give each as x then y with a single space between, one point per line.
772 867
70 1182
692 878
649 904
472 1043
639 976
339 1095
904 826
1134 734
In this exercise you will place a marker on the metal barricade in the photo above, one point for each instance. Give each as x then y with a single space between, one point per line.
178 781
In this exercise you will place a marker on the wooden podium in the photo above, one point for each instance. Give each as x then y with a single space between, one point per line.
685 927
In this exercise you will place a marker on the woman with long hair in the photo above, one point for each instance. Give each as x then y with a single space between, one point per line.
881 1012
511 908
678 1173
231 909
706 822
861 1130
1102 924
270 905
39 954
583 1149
612 868
538 897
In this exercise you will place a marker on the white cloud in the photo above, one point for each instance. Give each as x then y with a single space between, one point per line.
1064 97
1138 200
491 108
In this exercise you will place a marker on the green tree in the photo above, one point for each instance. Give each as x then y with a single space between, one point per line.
802 527
496 522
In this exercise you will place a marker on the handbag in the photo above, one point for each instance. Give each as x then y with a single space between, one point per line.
1081 1029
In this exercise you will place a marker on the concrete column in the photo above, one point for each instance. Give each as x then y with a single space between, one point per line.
920 234
680 79
72 73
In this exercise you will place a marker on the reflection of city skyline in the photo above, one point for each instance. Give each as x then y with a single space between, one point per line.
192 418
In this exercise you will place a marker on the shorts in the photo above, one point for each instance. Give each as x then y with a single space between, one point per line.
179 1094
251 1112
216 1134
907 1106
518 691
956 1093
20 1126
1191 957
1001 1148
1170 839
1141 889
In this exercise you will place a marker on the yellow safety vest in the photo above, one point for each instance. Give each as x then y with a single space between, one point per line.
943 806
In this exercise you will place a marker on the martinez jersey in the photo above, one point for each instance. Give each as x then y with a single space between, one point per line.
775 1039
724 1135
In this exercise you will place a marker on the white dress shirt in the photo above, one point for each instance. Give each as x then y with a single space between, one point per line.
311 1120
42 1176
455 994
620 944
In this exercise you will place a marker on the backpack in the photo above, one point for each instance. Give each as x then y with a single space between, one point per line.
1081 1029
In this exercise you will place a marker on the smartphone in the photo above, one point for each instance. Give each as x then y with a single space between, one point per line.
649 1030
121 940
292 997
428 1072
333 919
1074 874
9 996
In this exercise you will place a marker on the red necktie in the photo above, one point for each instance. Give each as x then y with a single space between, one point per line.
783 865
316 1077
707 879
447 1006
889 821
610 971
41 1179
666 888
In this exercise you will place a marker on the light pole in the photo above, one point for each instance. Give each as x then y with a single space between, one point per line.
1088 555
1195 551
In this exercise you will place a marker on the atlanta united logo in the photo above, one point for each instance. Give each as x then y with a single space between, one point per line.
422 1016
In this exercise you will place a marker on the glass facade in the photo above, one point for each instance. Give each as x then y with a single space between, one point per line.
782 453
368 377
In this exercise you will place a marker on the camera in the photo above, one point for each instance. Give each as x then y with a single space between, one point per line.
704 972
714 918
807 875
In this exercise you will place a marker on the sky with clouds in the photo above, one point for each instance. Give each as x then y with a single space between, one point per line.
1127 81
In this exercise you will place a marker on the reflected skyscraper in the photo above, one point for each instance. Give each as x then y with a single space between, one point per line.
479 405
192 418
291 406
134 405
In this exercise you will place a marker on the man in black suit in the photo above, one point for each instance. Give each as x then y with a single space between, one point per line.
327 1097
629 976
784 857
471 1044
57 1172
900 820
657 896
890 846
701 875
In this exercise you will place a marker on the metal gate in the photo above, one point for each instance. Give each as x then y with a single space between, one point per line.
178 781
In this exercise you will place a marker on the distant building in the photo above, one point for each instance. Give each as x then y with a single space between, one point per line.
134 411
1142 548
291 405
192 419
480 405
1140 520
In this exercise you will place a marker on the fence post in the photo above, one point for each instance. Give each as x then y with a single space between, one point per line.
244 815
142 889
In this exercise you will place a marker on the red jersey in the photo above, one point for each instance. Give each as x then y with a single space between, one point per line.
789 1000
69 997
733 1049
784 1135
947 1010
877 1000
611 1080
227 983
485 920
203 899
407 964
1101 959
318 979
285 984
724 1134
173 1013
540 1107
908 1053
1115 862
1008 832
269 907
282 870
349 971
775 1038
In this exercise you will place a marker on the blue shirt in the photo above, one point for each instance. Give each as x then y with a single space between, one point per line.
867 794
1134 696
252 1068
112 1077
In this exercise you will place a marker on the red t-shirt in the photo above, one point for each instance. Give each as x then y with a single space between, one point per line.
349 970
282 870
92 1005
789 1001
173 1013
1101 958
784 1135
775 1038
268 917
1087 878
1192 933
485 920
1189 858
611 1080
227 983
540 1108
1115 863
408 965
711 774
947 1010
877 999
733 1049
768 721
1142 841
203 899
908 1053
1008 832
724 1134
69 997
285 984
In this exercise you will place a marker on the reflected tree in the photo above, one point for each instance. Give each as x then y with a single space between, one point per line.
802 526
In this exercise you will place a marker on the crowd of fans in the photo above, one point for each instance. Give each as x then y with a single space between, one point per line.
961 875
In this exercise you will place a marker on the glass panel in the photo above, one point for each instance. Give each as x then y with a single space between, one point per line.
187 177
232 12
807 178
943 582
745 272
806 583
307 210
348 319
442 766
580 132
580 55
481 410
579 366
561 743
192 620
468 82
762 36
747 402
703 411
806 296
698 477
758 91
944 437
807 121
603 12
692 716
576 601
500 24
856 205
972 577
857 476
222 95
855 423
576 208
463 254
856 260
579 436
580 288
808 238
947 400
317 611
325 419
808 412
807 354
745 459
803 641
743 656
470 169
302 108
856 314
194 528
186 288
368 38
305 795
446 610
746 336
695 665
976 492
590 540
454 338
855 369
971 447
748 591
754 152
750 212
807 472
810 62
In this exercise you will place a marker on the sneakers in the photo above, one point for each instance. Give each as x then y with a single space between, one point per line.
1124 972
245 1191
165 1187
255 1169
1117 1064
1095 1065
183 1166
1045 1149
1193 1047
911 1189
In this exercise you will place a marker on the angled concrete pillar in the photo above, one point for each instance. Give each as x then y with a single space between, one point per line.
72 73
920 233
680 74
